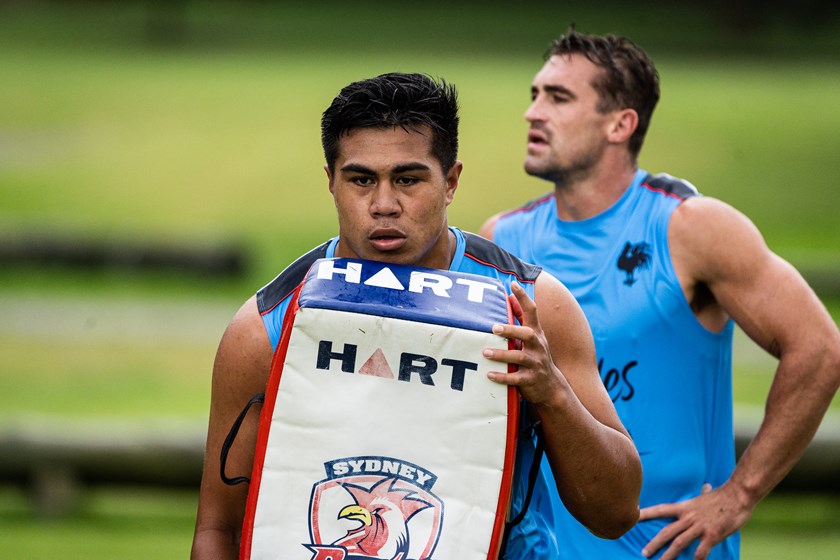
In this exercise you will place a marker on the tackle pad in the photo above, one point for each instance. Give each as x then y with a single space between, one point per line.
380 436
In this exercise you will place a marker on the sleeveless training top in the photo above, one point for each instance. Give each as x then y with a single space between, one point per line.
532 538
669 378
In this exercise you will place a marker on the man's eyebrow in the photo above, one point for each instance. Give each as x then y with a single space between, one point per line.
401 168
358 168
555 89
414 166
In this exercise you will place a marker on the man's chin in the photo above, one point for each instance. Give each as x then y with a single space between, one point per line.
536 170
395 256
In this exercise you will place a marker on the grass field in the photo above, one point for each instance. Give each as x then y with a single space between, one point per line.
131 524
215 140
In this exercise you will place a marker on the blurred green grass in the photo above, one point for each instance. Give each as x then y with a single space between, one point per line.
133 524
109 523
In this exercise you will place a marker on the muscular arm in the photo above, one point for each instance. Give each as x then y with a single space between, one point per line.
240 371
594 461
775 307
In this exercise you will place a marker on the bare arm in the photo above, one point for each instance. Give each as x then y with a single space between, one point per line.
772 303
595 464
241 369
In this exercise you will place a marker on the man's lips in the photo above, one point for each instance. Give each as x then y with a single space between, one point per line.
536 138
387 239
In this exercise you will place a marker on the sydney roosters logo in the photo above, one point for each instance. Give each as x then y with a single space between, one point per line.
632 258
374 508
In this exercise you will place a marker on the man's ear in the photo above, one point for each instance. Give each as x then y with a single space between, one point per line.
623 126
452 178
329 177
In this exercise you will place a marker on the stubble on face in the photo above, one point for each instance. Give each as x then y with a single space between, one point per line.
562 173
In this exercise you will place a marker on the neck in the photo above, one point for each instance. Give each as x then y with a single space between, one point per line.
583 198
441 256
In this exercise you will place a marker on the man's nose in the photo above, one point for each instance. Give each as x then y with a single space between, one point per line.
534 112
385 201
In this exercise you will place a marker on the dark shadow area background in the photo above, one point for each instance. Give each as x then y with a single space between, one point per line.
805 28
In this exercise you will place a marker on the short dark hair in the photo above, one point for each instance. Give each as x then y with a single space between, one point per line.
409 101
629 80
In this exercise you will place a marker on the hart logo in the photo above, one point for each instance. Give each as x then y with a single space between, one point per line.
374 508
426 295
411 366
419 281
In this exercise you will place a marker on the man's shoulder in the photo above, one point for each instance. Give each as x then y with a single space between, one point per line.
668 185
273 293
510 225
488 254
542 203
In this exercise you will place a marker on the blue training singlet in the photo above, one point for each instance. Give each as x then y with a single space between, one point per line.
533 538
669 378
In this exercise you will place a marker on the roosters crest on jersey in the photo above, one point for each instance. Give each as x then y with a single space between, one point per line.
380 382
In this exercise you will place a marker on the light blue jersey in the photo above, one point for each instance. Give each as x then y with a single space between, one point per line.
669 378
533 538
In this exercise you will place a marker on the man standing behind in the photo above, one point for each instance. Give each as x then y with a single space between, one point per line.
391 149
661 273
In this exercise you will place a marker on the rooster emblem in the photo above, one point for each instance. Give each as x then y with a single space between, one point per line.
634 257
383 512
367 509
